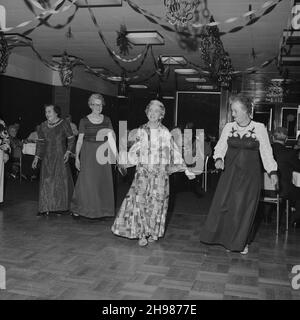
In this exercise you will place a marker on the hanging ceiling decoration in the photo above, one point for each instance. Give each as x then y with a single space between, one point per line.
65 64
180 12
9 41
4 53
207 41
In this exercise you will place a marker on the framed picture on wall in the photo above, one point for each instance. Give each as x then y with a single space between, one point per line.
289 120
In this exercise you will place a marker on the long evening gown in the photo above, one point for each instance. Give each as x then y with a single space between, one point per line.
232 212
143 211
94 191
56 184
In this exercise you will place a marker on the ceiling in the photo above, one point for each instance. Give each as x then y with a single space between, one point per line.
263 36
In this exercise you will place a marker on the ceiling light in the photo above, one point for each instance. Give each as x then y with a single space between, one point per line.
98 3
195 80
115 78
206 87
138 86
168 97
145 37
185 71
175 60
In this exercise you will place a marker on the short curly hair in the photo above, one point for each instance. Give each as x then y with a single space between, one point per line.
158 103
244 100
97 96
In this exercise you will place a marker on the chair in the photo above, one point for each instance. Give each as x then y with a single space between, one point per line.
206 171
204 181
271 195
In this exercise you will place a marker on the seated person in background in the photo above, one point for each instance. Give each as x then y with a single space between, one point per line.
288 162
16 151
33 137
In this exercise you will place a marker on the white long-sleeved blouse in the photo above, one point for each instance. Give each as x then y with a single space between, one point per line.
258 131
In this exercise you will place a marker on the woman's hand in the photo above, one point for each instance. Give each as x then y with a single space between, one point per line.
5 147
35 162
77 163
66 156
219 164
122 169
190 174
5 157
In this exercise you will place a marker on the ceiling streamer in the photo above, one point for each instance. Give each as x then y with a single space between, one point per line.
268 6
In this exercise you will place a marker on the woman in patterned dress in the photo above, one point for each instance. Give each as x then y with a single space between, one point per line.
142 214
94 191
239 151
54 145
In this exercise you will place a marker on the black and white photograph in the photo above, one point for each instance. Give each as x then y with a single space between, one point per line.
149 154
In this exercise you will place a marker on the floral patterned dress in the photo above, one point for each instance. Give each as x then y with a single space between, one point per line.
143 211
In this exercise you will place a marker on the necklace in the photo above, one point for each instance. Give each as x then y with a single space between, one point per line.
243 127
53 124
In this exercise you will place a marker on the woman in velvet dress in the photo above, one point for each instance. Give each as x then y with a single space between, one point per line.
54 145
94 194
242 146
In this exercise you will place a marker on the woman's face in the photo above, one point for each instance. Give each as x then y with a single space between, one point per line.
96 105
154 113
50 113
239 112
12 132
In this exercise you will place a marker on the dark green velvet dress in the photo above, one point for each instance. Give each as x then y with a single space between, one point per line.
56 184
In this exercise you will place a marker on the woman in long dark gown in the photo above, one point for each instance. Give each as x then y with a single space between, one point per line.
54 145
242 143
94 194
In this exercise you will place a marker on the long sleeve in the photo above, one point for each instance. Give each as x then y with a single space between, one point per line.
70 136
265 149
41 142
134 151
222 146
176 162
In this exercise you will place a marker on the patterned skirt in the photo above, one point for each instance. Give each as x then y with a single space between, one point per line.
143 211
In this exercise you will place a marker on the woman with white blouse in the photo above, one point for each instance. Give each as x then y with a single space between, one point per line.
243 145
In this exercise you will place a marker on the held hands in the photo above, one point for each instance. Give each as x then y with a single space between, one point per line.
122 169
219 164
190 174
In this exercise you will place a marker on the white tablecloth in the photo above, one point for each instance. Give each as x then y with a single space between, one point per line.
296 178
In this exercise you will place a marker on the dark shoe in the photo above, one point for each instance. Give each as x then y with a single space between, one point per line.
39 214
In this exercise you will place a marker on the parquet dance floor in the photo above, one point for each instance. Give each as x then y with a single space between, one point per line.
61 258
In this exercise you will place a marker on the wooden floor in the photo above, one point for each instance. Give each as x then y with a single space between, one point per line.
61 258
